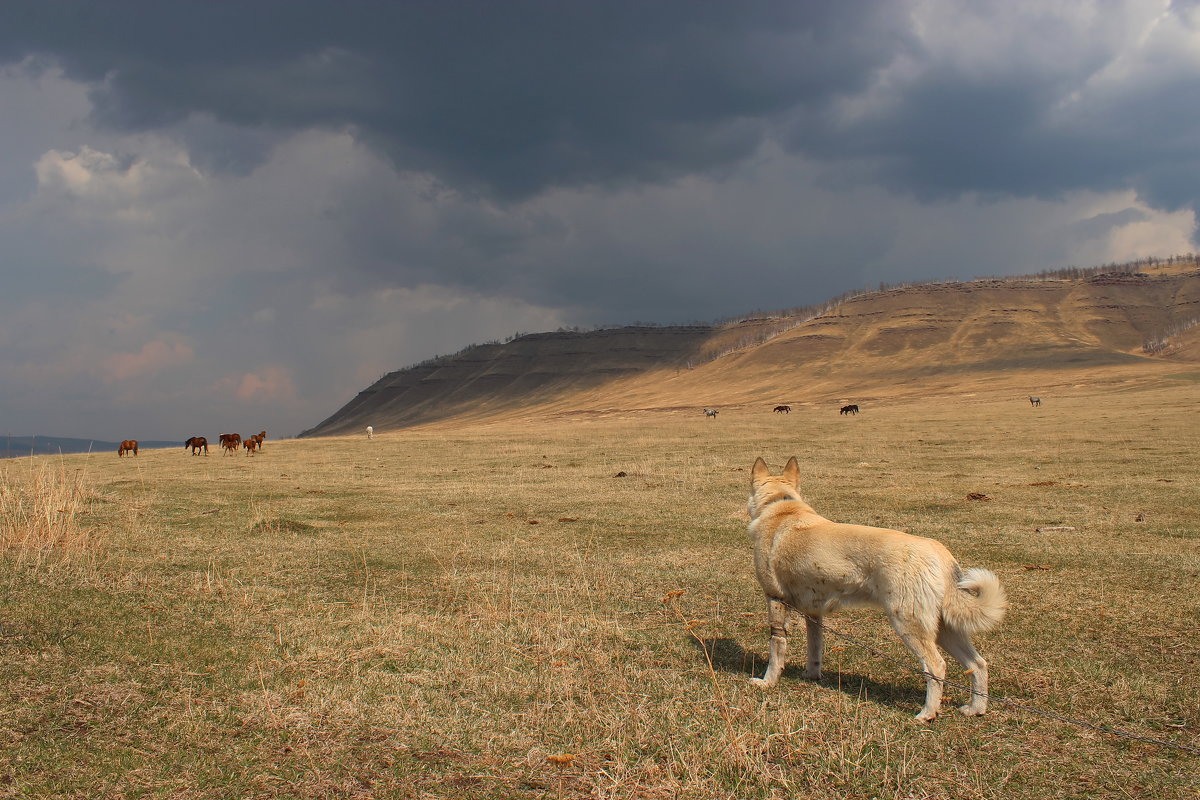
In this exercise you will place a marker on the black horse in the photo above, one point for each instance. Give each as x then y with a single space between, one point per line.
850 409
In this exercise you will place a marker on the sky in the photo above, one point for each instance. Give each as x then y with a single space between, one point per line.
234 216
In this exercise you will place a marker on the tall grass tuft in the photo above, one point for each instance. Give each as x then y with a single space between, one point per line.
40 510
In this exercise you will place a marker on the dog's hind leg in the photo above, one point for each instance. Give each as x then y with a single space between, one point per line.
816 647
777 617
924 647
958 644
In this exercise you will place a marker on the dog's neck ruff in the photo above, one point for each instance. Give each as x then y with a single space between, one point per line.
782 497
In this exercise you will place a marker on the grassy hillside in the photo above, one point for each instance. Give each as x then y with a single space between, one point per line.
489 611
920 340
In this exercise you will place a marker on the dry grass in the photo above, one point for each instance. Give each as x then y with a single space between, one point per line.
490 612
42 502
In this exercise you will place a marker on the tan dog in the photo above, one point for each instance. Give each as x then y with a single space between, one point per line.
807 563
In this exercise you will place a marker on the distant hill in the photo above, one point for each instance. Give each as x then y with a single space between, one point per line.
1023 332
16 446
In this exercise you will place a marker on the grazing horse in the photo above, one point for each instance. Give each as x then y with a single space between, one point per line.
782 409
850 409
1035 401
197 443
370 432
250 443
127 446
710 412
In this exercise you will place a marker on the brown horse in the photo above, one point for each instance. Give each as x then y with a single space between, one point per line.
250 443
197 443
231 442
782 409
851 409
127 446
259 437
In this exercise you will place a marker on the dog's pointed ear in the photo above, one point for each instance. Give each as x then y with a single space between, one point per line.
791 472
759 472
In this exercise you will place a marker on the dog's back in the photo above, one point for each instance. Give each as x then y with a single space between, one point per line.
818 566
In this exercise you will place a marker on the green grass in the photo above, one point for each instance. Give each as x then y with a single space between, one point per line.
491 612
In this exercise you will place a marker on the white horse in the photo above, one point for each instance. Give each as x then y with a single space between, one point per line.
370 432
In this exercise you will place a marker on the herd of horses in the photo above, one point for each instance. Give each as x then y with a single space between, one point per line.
845 410
230 442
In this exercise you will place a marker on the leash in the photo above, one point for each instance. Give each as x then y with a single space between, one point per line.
1009 702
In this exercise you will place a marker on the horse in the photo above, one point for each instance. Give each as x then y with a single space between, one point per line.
260 437
850 409
782 409
250 443
127 446
710 412
197 443
370 432
1035 401
231 442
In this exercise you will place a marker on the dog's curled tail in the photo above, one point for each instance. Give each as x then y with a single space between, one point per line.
977 604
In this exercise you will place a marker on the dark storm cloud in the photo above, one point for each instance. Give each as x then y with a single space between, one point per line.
507 97
512 98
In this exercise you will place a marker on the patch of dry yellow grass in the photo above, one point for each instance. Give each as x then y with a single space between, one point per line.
479 612
41 506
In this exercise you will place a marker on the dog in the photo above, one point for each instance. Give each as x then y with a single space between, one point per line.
809 564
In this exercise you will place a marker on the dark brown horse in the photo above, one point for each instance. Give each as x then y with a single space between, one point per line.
782 409
127 446
851 409
197 443
231 442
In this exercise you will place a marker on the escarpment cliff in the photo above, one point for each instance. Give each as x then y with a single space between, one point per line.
933 337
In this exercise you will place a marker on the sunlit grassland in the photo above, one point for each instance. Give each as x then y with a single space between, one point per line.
480 612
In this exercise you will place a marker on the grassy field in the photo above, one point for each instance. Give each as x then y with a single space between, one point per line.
493 613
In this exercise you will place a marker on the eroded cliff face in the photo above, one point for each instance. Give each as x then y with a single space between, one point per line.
530 369
921 331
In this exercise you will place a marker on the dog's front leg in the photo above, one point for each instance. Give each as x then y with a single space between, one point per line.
816 647
777 617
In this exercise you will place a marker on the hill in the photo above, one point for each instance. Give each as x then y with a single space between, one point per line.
1023 334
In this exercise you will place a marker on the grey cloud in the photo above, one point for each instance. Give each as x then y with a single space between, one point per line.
511 99
508 98
1101 224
